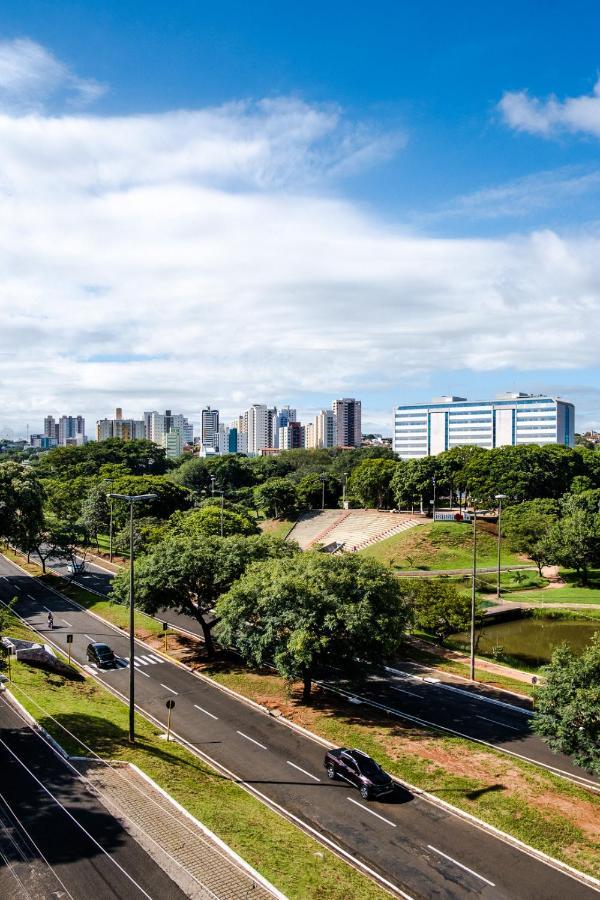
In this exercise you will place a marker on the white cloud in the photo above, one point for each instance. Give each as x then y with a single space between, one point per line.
209 249
552 116
30 76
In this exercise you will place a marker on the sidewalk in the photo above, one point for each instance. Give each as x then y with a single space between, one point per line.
199 862
481 664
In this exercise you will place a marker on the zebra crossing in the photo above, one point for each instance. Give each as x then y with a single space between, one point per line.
147 659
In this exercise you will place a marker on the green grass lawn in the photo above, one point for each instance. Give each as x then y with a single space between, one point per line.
440 545
553 596
277 527
298 865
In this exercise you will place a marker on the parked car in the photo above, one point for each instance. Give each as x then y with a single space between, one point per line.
360 770
101 654
75 568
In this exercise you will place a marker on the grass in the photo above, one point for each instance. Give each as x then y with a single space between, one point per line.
568 594
533 805
441 545
278 528
290 859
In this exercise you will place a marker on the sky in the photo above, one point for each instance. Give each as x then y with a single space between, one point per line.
287 203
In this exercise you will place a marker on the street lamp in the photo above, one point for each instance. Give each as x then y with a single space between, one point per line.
109 481
433 501
344 489
222 493
212 484
499 498
473 592
323 478
131 499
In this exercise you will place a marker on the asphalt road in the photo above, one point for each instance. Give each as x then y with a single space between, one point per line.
457 709
56 839
413 844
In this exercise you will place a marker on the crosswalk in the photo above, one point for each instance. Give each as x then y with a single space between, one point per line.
147 659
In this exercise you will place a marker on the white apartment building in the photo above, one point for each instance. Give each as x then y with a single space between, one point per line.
68 430
325 429
509 420
210 428
157 425
348 418
309 436
256 429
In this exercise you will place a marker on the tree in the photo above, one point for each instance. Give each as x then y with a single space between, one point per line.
277 497
439 607
370 482
21 503
188 573
95 512
576 538
413 481
314 610
528 529
170 497
309 492
568 704
207 521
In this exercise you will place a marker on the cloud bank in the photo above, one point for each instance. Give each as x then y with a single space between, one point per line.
552 117
204 256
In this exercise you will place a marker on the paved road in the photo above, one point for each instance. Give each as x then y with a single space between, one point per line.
461 710
56 839
414 844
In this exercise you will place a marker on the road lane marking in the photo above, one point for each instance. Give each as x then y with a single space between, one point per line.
462 866
143 673
89 637
496 722
149 659
373 813
67 623
304 772
165 686
404 691
205 711
140 660
258 744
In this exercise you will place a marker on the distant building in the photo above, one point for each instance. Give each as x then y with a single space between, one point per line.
157 425
67 431
309 436
325 429
348 422
511 419
291 436
42 441
257 428
123 429
173 442
210 428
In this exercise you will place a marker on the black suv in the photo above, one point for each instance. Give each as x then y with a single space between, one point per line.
101 654
360 770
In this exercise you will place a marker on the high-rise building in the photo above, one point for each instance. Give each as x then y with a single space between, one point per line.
123 429
309 436
51 428
258 427
347 413
210 428
172 441
325 429
291 436
509 420
156 425
69 430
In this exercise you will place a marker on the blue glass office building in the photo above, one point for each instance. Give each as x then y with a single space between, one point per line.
510 419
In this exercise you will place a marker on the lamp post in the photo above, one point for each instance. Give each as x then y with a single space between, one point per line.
344 486
473 593
212 484
222 493
131 499
433 501
323 480
109 481
499 498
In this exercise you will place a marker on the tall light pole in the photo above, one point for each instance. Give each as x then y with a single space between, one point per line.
109 481
323 480
433 501
344 489
473 593
222 493
212 483
499 498
131 499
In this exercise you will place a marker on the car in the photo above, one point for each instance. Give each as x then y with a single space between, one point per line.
359 770
101 654
75 568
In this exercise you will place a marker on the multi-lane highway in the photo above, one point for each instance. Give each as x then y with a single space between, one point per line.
418 848
56 838
453 707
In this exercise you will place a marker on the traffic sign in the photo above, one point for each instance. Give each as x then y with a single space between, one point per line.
69 639
170 704
165 626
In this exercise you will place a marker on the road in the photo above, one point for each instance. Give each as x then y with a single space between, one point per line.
457 709
410 843
56 839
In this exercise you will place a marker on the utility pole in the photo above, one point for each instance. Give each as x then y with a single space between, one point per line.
499 498
473 594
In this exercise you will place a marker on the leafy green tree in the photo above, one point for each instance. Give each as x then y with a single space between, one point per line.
528 528
412 482
21 503
207 521
276 497
95 512
524 472
170 497
314 610
65 496
439 607
139 458
370 482
576 538
188 573
567 704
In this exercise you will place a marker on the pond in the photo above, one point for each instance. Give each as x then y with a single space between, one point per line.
531 639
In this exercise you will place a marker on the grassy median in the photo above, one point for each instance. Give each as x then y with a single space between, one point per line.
295 863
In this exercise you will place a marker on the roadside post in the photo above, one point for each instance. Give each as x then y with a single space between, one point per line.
165 629
170 704
69 642
6 654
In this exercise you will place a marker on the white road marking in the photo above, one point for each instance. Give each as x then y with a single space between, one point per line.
34 600
167 688
156 659
67 623
140 659
496 722
205 711
143 673
304 772
431 680
262 746
373 813
149 659
404 691
462 866
88 636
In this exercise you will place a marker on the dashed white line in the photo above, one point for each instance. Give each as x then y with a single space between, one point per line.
373 813
258 744
404 691
166 687
205 711
304 772
89 637
461 865
496 722
140 672
67 623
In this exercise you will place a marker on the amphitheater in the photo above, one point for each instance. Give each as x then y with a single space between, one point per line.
350 529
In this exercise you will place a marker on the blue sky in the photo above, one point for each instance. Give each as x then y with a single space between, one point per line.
241 202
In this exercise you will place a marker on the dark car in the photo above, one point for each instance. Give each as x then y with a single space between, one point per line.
359 770
101 654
